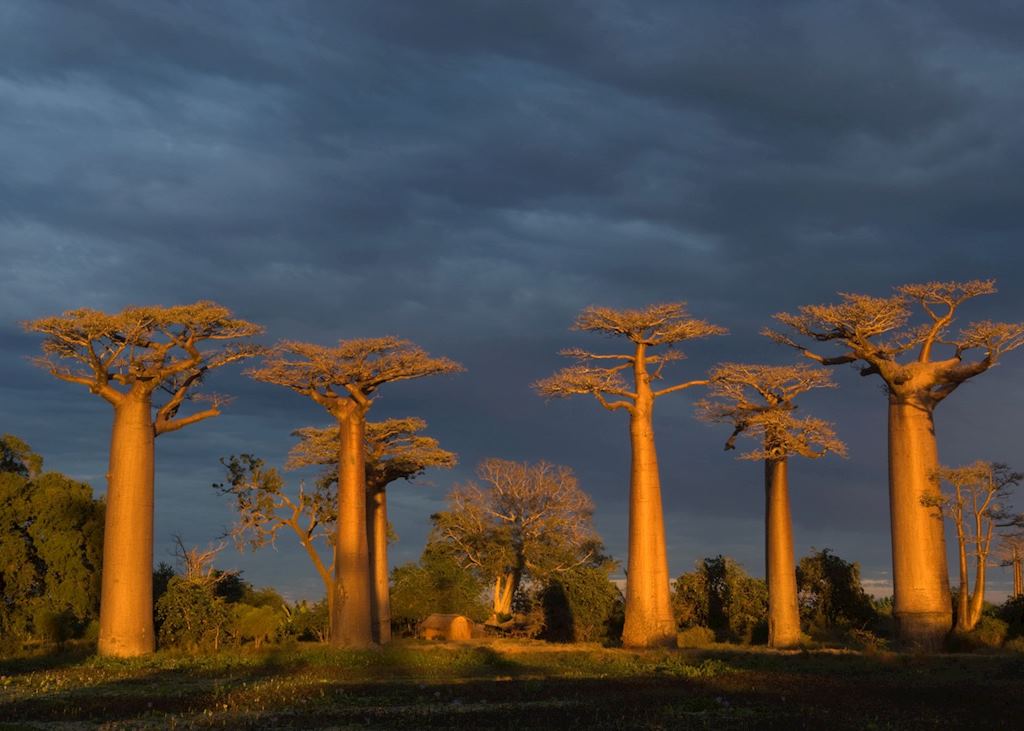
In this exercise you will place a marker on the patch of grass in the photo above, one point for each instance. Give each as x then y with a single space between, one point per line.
515 685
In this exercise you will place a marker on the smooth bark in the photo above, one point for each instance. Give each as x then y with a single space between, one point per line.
780 566
126 600
351 620
921 596
649 620
504 588
377 530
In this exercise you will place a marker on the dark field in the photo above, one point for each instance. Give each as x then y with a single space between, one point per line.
513 685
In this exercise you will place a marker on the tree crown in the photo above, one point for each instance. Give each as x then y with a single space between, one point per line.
652 326
878 331
758 401
142 349
353 370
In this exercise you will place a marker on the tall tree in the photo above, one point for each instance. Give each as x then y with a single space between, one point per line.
345 381
878 333
128 358
394 451
525 521
648 608
1011 553
975 506
758 401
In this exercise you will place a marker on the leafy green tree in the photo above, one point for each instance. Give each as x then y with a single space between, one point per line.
192 616
582 605
51 544
256 623
831 595
721 596
436 584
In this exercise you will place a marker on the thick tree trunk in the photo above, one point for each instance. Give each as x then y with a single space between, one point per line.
780 566
351 616
920 579
377 530
126 600
504 589
649 621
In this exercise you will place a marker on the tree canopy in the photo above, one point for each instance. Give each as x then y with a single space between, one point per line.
143 349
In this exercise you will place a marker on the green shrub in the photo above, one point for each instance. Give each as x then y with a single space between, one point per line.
191 615
989 633
695 637
258 624
580 606
720 595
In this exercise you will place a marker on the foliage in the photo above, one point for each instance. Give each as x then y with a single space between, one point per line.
51 547
142 349
309 621
657 325
436 584
831 595
721 596
256 623
582 605
1012 612
192 616
878 332
695 636
757 400
989 633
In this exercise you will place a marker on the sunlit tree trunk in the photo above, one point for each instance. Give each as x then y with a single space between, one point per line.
126 601
1018 578
780 566
351 621
504 589
920 581
649 620
978 597
377 530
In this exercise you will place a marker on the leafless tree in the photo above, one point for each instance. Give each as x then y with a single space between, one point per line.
976 505
523 521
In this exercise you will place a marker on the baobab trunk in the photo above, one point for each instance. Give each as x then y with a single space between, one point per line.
649 620
504 588
780 568
1018 578
126 599
978 597
921 603
351 616
962 598
377 528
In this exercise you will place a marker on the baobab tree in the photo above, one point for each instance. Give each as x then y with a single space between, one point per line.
649 618
877 333
524 521
975 506
758 401
345 380
1011 553
128 358
395 450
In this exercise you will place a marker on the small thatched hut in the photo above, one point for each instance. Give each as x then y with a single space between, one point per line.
446 627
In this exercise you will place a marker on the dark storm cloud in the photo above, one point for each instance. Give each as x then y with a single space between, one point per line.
471 174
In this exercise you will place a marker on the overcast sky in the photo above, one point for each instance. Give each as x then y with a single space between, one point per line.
469 175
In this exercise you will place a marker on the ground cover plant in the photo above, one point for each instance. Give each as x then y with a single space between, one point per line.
498 684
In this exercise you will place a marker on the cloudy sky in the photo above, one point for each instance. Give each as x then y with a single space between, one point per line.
470 175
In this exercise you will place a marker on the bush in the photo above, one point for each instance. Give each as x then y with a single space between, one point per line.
258 624
721 596
989 633
695 637
191 615
309 621
580 606
831 595
51 626
1012 612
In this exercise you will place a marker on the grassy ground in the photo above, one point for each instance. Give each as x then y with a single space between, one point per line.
513 685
